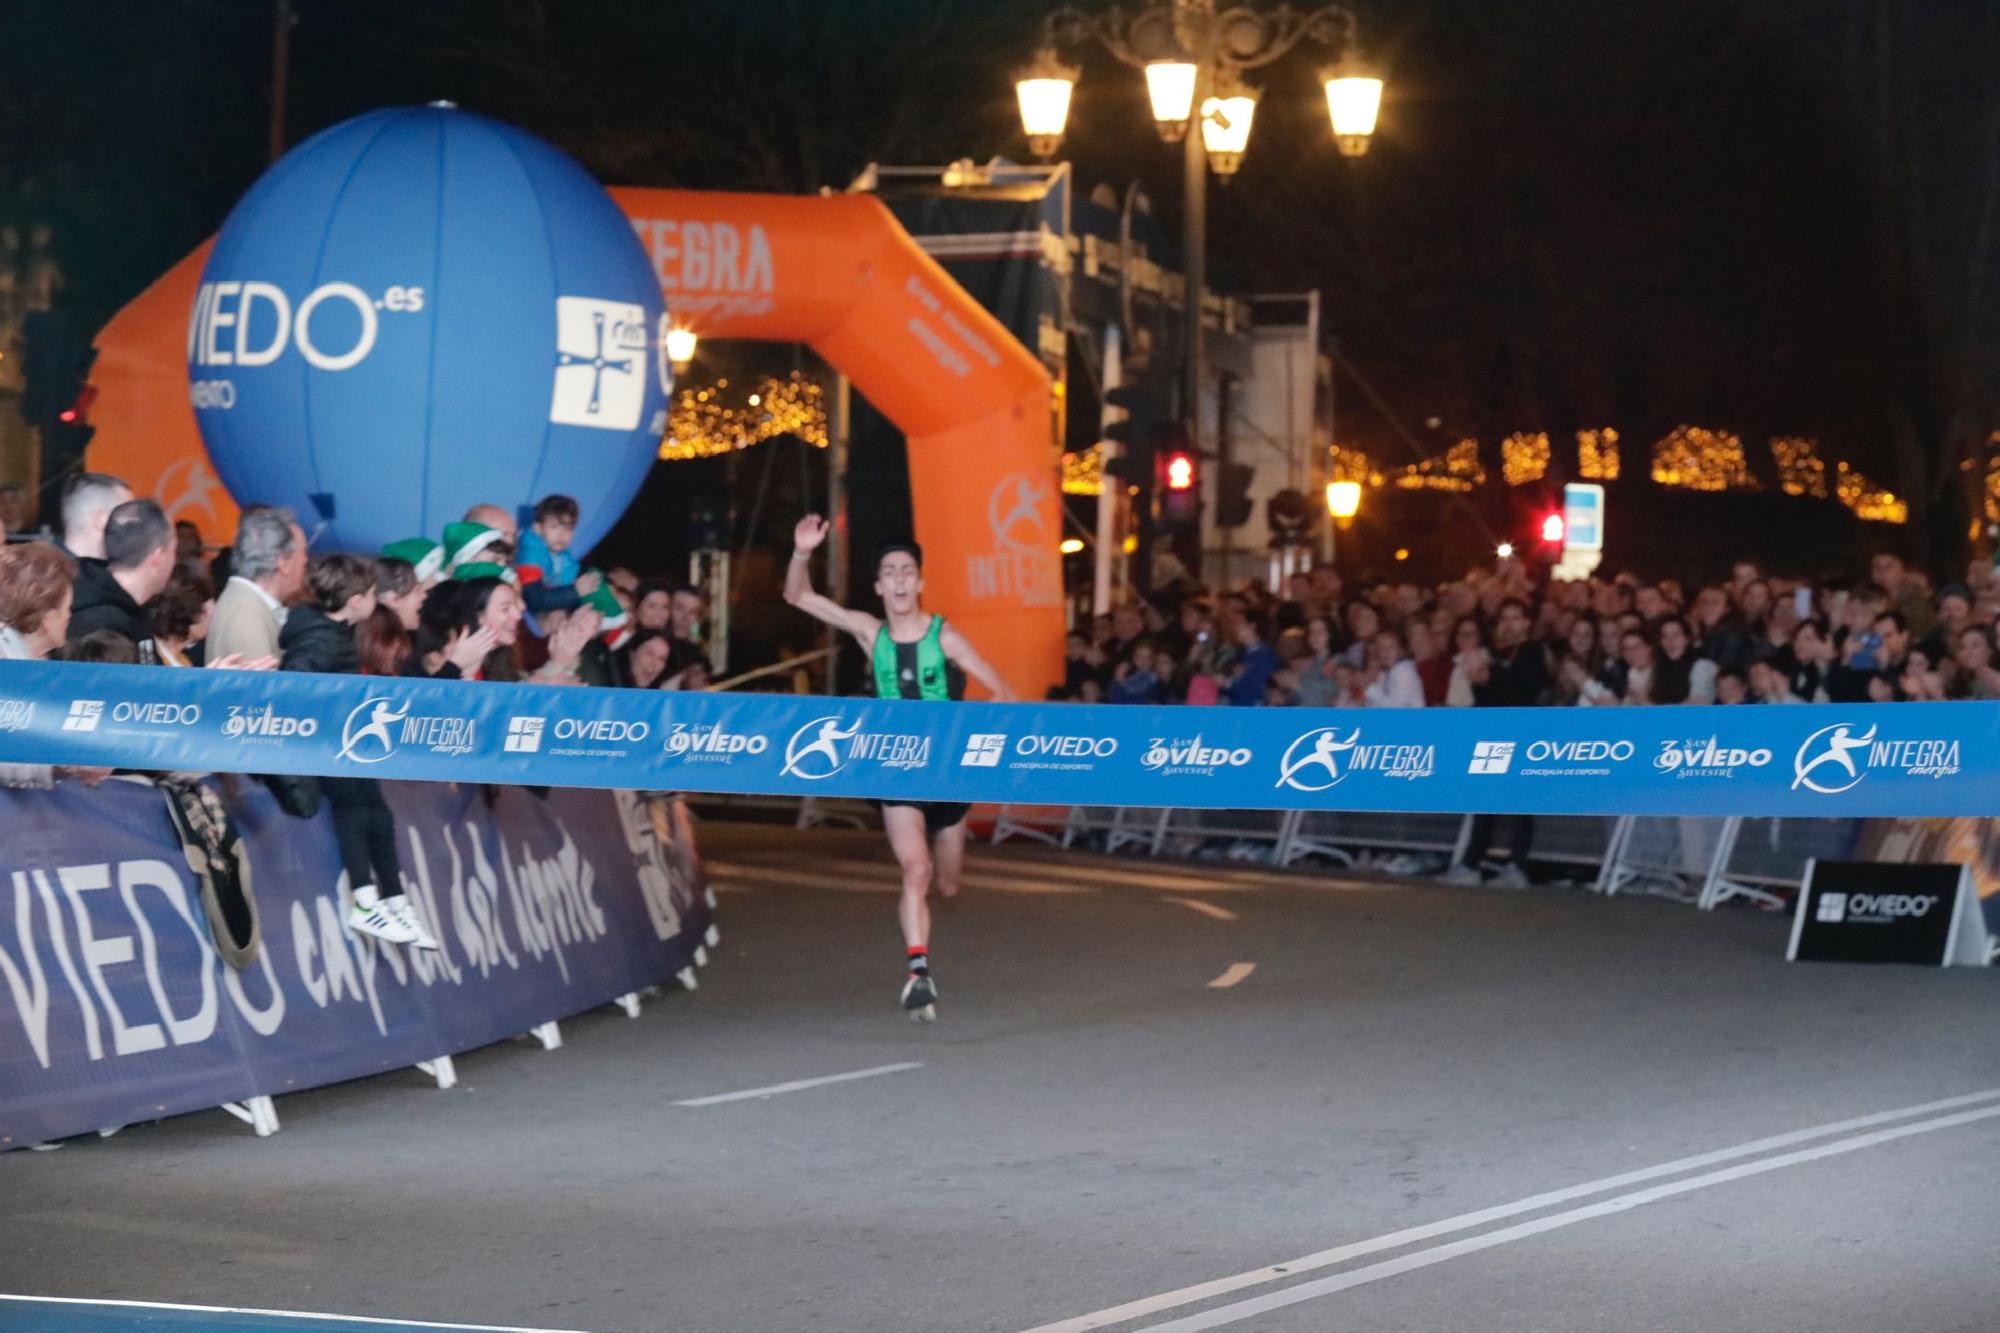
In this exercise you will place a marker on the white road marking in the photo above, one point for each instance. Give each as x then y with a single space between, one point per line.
994 884
798 1084
1227 878
1206 909
749 881
1201 877
1236 973
281 1314
851 877
1208 878
1118 1314
1388 1268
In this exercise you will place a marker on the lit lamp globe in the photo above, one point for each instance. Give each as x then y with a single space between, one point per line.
1043 90
1343 500
1353 100
1170 89
680 344
1225 127
419 310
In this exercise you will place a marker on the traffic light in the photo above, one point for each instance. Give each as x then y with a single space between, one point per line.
1553 530
1135 431
1233 506
55 393
1132 402
1179 484
65 441
39 332
55 367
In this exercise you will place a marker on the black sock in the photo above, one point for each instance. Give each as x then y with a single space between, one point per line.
920 961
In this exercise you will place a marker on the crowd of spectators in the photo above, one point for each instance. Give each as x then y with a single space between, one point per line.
1500 637
126 585
490 602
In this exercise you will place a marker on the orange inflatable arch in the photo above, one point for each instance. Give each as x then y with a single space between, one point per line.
838 273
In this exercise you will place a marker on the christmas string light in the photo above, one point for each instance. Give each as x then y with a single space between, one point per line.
1689 457
1800 468
1083 473
1351 465
1597 454
1524 457
702 424
1869 501
1457 470
1698 459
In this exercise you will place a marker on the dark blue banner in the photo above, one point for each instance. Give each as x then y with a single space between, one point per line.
116 1007
1808 760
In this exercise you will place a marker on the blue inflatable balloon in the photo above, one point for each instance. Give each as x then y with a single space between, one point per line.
419 310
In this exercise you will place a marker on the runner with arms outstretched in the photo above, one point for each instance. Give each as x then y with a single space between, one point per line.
914 655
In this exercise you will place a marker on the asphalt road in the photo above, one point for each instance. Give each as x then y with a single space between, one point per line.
1433 1108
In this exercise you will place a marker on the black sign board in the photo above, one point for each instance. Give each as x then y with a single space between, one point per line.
1887 912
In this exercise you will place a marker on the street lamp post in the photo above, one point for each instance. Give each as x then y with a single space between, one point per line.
1194 56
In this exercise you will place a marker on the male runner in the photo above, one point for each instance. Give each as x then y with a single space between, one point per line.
915 655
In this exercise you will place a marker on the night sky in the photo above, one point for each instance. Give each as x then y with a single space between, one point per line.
1771 216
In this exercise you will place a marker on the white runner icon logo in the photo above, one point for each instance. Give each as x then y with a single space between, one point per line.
826 746
1838 751
1326 745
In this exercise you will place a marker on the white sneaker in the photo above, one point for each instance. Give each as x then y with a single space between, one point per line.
1462 875
405 911
1510 876
379 921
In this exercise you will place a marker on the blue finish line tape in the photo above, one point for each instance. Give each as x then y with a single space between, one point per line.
1806 760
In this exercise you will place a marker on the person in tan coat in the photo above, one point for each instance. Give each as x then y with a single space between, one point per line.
269 570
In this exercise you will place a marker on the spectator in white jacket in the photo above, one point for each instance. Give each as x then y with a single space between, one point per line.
1393 680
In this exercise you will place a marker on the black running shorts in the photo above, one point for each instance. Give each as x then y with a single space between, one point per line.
938 815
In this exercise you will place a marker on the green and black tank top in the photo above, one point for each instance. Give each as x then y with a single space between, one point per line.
917 670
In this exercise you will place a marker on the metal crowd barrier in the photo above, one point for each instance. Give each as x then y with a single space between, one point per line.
1758 854
1574 840
1339 835
1703 862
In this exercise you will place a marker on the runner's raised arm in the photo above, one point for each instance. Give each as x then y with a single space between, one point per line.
806 538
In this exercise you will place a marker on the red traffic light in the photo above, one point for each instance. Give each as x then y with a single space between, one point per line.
80 409
1179 471
1552 529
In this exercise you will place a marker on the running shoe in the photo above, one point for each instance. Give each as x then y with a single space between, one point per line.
1509 876
1462 874
380 922
406 912
920 997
